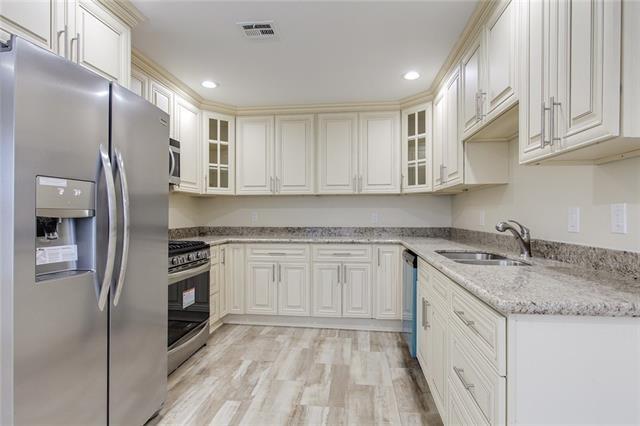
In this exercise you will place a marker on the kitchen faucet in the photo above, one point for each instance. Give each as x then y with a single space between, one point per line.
523 236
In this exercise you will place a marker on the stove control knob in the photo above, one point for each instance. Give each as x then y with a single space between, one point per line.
189 257
174 261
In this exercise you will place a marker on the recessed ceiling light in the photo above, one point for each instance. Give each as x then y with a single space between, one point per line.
411 75
209 84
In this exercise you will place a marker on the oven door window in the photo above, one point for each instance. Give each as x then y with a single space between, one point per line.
188 305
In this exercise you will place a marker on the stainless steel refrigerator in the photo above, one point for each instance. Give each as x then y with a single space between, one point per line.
83 245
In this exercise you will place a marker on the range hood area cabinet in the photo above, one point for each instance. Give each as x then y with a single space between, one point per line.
82 31
578 83
275 155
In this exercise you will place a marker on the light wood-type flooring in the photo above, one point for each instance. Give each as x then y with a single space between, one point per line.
254 375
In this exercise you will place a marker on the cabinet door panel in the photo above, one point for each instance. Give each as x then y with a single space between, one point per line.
589 72
187 130
337 162
439 138
293 289
356 294
294 154
222 274
254 155
327 297
218 152
437 354
235 278
454 151
501 60
417 149
261 288
32 20
102 42
471 88
379 152
388 283
422 337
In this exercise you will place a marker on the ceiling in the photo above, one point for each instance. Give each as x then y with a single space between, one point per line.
325 51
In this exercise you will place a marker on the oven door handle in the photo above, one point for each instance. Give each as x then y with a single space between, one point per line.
183 275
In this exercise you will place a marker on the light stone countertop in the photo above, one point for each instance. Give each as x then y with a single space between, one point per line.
546 287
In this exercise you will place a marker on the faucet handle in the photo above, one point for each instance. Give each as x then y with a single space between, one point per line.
524 231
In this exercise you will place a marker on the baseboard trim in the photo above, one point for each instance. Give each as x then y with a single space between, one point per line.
362 324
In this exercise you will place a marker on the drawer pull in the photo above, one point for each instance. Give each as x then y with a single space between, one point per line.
277 254
342 254
425 313
459 372
470 324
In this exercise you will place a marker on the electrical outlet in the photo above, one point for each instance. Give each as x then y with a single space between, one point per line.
619 218
573 219
254 218
482 218
375 217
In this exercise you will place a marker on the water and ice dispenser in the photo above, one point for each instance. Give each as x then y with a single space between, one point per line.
65 227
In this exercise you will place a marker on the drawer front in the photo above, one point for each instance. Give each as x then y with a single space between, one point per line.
275 252
484 327
342 252
214 255
440 288
482 390
214 279
457 412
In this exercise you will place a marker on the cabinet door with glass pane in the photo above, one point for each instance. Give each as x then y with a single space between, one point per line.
219 153
417 161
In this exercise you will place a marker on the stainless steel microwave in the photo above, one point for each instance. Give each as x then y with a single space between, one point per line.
174 162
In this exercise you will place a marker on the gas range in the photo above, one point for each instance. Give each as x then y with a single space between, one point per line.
187 254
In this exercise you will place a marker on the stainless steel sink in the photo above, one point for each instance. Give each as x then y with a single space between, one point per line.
493 262
469 255
480 258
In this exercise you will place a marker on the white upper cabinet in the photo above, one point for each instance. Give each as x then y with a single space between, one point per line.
254 156
448 147
379 152
577 57
472 94
162 97
102 42
35 21
417 149
294 154
218 153
139 84
337 158
439 138
186 122
83 31
488 77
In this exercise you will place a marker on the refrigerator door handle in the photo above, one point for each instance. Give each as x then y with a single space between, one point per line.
113 228
124 187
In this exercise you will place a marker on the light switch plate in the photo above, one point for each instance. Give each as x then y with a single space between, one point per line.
375 217
482 219
619 218
573 219
254 218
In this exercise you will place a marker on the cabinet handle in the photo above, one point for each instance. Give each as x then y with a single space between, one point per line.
273 272
279 273
66 38
223 256
481 107
342 254
477 117
276 254
543 130
552 120
338 274
344 274
470 324
378 257
459 372
425 313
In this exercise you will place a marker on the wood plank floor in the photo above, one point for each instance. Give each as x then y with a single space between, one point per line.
253 375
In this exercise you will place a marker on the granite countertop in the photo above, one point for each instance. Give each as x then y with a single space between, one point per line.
546 287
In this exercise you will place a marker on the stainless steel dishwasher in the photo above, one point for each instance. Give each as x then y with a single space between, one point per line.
409 291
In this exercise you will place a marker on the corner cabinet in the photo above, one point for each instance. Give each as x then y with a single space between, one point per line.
218 153
186 123
577 56
83 31
379 153
337 154
417 149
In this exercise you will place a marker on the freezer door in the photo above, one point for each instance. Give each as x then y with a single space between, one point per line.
55 115
138 321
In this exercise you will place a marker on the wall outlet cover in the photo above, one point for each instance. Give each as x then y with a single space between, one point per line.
254 217
619 218
375 217
573 219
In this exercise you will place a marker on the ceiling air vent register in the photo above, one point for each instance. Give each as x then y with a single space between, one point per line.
258 30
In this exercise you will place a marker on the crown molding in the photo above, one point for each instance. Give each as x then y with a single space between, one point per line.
472 28
124 10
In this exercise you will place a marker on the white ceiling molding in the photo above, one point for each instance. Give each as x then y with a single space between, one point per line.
473 25
124 10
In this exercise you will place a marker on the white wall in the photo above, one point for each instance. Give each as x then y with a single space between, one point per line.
540 196
340 210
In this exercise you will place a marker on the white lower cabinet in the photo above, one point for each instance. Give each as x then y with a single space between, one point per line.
327 290
356 290
388 282
437 354
261 288
234 270
293 289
